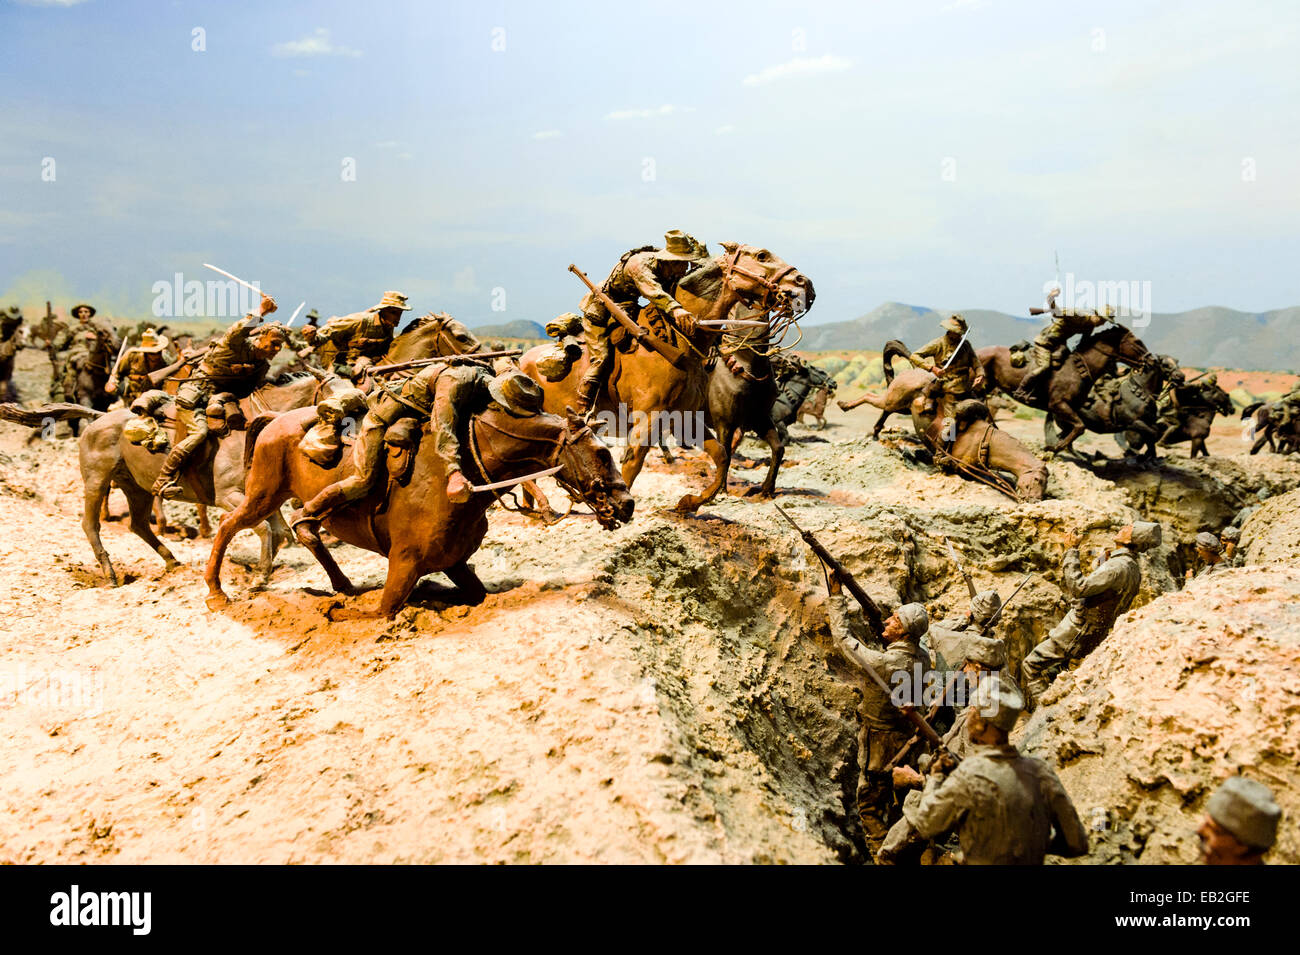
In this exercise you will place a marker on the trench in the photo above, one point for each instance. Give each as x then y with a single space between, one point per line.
726 619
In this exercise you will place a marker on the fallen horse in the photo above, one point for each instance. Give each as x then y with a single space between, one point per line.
412 522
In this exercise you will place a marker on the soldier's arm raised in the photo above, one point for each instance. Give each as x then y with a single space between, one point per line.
849 634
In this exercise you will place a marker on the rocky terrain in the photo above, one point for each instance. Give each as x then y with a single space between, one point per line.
666 692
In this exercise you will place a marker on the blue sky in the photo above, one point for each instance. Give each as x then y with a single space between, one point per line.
934 153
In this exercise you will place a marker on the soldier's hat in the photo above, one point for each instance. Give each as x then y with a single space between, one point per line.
1146 534
1207 541
998 701
914 618
954 323
391 300
517 393
1211 379
313 317
275 327
15 310
151 340
77 308
984 605
679 245
1246 808
1231 533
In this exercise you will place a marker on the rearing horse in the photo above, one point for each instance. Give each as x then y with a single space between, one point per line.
647 387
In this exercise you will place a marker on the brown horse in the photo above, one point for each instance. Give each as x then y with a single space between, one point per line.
648 388
1068 388
1197 411
416 527
982 451
900 392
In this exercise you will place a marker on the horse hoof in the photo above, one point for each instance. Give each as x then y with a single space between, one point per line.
688 504
217 601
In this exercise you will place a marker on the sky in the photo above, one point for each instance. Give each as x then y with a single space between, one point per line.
942 154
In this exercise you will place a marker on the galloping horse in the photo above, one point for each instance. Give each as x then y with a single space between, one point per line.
416 527
648 387
1096 356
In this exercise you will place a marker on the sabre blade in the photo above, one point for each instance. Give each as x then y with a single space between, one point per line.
234 278
497 485
289 323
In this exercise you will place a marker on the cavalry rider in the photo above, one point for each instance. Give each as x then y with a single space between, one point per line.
130 377
350 343
236 363
645 272
1066 322
951 358
441 394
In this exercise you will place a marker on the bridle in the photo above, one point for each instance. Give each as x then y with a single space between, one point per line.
446 343
769 283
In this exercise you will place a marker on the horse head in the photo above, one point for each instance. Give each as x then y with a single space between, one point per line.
764 282
588 473
433 335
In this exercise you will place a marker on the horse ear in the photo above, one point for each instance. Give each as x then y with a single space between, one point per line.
730 246
573 416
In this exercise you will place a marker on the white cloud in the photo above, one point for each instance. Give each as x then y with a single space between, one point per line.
666 110
318 43
547 134
724 130
800 66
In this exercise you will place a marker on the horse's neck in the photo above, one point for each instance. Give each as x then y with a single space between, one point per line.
511 447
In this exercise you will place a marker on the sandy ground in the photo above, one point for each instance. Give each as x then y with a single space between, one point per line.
615 699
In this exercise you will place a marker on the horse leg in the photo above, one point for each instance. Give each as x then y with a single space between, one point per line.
1065 415
310 538
880 423
205 526
260 499
404 572
717 447
773 439
638 446
96 481
472 591
138 502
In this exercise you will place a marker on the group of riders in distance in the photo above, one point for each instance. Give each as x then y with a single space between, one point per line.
400 441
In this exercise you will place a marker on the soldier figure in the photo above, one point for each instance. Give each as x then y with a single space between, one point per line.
68 340
645 272
1287 409
1098 600
236 363
1231 537
351 343
1240 824
130 378
884 730
945 639
951 358
1209 552
1005 808
10 325
1066 323
442 395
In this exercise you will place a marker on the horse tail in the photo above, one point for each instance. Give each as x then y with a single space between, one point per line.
250 437
1250 409
893 349
35 417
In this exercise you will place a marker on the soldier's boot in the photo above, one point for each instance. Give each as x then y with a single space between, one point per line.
451 388
598 363
1029 384
167 485
366 453
1167 438
588 391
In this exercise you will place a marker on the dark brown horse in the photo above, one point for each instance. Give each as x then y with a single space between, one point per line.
1262 429
1196 416
416 527
1069 385
647 388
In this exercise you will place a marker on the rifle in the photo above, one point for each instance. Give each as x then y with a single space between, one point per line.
450 359
869 608
952 553
1003 606
643 336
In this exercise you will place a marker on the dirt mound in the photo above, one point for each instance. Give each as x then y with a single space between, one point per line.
1271 535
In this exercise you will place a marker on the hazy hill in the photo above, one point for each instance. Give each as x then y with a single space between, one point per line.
519 328
1201 337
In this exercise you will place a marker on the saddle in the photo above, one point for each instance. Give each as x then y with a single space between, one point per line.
323 440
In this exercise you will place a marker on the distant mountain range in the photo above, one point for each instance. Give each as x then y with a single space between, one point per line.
1203 337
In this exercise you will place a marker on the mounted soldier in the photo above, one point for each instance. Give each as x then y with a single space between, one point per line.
951 358
350 343
130 377
70 339
441 394
236 365
647 272
1051 345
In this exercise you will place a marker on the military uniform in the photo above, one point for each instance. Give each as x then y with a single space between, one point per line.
645 272
1288 408
130 378
884 730
440 394
958 366
1098 600
10 323
346 340
230 365
1064 325
71 349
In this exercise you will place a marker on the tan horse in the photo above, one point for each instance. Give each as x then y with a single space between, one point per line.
648 388
415 526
